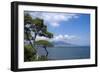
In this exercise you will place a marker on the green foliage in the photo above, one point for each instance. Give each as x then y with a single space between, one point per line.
39 28
44 28
42 58
29 36
38 22
39 25
48 34
27 19
29 53
44 43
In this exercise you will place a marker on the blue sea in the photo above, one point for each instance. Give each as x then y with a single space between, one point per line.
65 53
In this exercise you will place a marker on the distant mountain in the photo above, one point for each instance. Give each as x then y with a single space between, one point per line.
62 44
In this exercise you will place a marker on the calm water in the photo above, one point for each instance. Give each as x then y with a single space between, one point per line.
57 53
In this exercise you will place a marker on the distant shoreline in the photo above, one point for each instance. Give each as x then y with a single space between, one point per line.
69 46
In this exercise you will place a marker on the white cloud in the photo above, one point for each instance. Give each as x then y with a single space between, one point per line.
55 24
54 19
65 38
59 38
70 36
41 38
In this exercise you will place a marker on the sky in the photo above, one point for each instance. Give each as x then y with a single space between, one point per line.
67 27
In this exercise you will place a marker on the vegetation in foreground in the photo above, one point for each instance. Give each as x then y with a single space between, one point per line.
37 27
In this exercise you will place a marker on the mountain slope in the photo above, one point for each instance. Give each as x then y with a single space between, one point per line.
61 44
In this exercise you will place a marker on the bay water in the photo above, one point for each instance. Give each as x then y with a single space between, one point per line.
65 53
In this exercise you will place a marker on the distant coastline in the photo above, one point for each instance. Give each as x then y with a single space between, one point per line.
70 46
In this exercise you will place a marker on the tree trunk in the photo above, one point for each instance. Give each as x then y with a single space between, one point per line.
34 39
37 56
30 41
46 51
